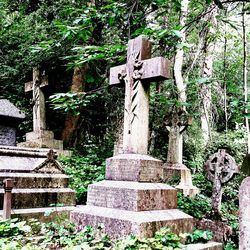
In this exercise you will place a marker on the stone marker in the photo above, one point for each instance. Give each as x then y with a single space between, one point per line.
10 117
8 185
40 137
137 74
244 217
126 202
220 168
177 122
39 182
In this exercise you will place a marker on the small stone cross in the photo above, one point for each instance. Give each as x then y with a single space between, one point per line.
137 74
177 122
38 100
220 168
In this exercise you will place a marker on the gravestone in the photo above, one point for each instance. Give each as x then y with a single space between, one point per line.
10 117
40 137
177 122
132 199
220 168
244 217
39 182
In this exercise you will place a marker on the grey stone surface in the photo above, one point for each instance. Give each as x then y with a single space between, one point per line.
121 222
7 109
134 196
244 217
207 246
39 179
7 135
134 167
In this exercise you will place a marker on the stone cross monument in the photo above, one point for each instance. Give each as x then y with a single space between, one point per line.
128 201
39 81
177 122
40 137
137 74
220 168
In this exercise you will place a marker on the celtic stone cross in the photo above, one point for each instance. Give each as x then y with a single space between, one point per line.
137 74
38 100
220 168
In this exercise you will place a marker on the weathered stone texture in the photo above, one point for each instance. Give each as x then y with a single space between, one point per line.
120 222
134 167
7 135
244 199
132 196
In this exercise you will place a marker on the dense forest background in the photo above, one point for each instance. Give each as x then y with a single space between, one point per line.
76 43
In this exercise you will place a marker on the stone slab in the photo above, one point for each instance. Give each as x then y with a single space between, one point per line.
133 196
40 197
134 167
119 223
39 213
7 109
206 246
36 180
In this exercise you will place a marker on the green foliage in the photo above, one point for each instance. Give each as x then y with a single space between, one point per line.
82 172
198 236
163 239
198 207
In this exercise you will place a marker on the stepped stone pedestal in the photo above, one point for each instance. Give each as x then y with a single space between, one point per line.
40 183
129 202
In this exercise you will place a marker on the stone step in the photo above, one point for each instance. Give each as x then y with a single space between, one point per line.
43 214
40 197
121 222
133 196
206 246
36 180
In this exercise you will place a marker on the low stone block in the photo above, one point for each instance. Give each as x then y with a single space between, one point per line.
119 223
133 196
46 134
38 213
40 197
134 167
36 180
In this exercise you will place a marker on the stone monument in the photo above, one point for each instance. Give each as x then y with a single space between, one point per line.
177 122
40 137
220 168
39 179
10 117
244 219
132 199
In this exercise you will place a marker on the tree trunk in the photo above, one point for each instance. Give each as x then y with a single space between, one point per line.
72 121
207 72
179 81
244 33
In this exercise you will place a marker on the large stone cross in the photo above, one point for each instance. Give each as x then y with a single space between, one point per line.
137 74
38 100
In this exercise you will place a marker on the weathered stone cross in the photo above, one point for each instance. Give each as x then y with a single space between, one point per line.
38 100
220 168
137 74
177 122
